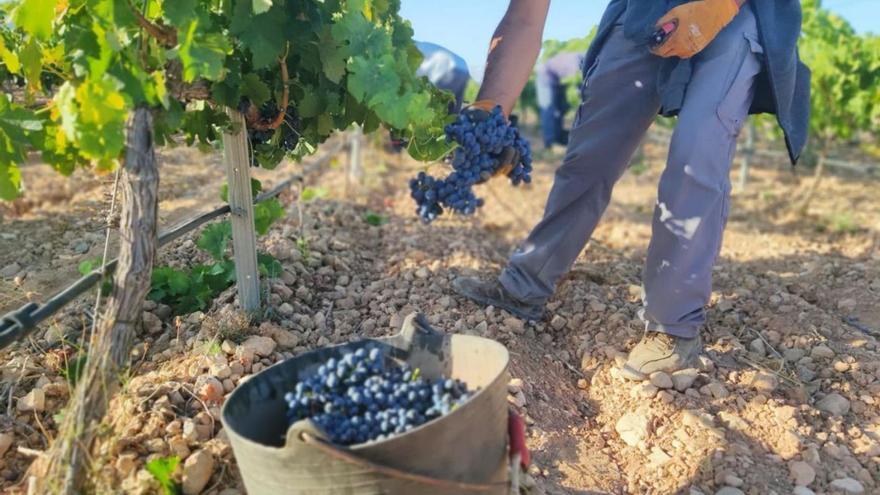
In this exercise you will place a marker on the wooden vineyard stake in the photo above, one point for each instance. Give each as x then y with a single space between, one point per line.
241 202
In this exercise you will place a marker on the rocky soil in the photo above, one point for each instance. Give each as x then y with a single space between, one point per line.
784 400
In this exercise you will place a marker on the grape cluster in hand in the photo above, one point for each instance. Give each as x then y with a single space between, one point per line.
358 398
478 156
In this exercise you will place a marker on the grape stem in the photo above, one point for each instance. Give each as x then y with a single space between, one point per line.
166 35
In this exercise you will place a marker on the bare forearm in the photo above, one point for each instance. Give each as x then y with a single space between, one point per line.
513 51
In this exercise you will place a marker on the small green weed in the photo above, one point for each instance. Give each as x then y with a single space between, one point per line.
163 469
375 219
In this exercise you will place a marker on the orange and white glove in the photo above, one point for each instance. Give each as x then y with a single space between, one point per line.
690 27
481 110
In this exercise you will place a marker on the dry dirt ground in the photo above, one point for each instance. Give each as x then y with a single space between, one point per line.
784 400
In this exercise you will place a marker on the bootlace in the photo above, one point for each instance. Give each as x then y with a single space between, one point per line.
663 339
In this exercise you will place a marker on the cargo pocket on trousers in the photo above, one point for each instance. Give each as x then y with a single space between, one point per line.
584 90
733 109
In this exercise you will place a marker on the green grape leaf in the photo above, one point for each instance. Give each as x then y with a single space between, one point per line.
256 188
86 267
310 105
102 112
179 12
261 6
9 58
178 282
254 89
263 34
268 265
31 58
364 38
35 17
215 238
333 59
266 213
203 53
10 174
311 193
371 81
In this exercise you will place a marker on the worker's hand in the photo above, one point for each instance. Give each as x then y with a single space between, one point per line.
693 26
479 111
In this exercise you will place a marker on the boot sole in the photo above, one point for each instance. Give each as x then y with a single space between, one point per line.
485 301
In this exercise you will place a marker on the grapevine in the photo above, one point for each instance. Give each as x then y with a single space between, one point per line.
360 397
299 70
483 149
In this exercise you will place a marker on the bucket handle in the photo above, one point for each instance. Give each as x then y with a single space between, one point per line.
347 456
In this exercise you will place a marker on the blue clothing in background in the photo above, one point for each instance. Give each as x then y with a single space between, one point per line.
445 70
550 92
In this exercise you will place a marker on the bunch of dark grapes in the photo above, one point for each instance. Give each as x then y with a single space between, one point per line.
359 398
288 131
478 156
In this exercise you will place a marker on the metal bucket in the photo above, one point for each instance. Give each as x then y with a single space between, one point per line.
462 452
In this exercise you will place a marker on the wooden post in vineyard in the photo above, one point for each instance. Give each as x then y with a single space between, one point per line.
355 156
66 466
241 202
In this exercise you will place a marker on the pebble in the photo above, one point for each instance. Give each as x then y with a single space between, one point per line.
558 322
765 382
729 490
190 432
658 456
285 309
718 390
259 345
152 323
179 447
684 379
644 389
733 480
632 428
802 490
514 324
848 485
793 355
847 304
515 385
10 270
802 473
81 247
197 470
518 399
125 464
209 388
757 346
35 401
822 351
661 380
706 364
596 306
6 440
834 404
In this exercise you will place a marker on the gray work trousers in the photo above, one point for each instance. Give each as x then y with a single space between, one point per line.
619 102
